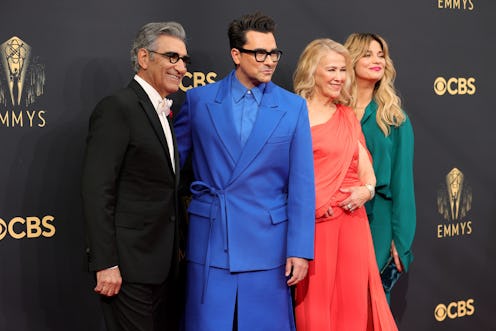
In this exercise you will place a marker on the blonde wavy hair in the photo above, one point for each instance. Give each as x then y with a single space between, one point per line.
303 77
389 111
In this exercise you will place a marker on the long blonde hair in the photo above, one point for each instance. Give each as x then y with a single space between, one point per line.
303 78
389 111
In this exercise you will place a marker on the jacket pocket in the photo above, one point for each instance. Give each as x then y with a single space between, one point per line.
279 214
279 139
199 208
129 220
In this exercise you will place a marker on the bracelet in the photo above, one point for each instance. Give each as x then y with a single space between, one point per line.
371 189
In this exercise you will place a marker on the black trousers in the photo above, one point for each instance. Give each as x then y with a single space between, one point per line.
144 307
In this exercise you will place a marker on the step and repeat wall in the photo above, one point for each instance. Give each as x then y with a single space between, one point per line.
58 58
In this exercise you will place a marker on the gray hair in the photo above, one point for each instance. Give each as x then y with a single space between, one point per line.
149 33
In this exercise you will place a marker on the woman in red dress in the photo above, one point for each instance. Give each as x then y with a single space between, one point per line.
343 290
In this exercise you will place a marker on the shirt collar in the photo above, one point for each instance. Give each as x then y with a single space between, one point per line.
238 90
369 111
154 96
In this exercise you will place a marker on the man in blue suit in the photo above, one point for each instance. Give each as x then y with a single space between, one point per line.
251 218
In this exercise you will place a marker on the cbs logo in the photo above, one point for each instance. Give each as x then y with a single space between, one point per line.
454 310
29 227
453 86
196 78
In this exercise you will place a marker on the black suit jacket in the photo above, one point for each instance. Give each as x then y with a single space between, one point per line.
129 189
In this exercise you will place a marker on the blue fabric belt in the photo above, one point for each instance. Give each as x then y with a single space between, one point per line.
199 188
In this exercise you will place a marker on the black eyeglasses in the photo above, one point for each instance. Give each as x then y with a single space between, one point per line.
261 54
173 57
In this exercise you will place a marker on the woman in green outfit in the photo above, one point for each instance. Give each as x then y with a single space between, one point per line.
389 137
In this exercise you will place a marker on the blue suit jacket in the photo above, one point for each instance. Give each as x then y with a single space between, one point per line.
252 206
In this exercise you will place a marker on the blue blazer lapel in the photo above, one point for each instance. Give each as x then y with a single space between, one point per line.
220 115
269 116
220 112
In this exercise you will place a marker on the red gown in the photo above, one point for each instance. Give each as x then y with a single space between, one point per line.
343 290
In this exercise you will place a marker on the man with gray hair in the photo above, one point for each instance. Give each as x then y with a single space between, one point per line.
129 187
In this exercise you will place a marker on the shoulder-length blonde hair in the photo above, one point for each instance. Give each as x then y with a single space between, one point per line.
304 76
389 111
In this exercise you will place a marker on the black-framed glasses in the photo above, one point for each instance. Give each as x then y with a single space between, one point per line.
173 57
261 54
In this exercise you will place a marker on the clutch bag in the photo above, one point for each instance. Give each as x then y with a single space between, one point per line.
389 275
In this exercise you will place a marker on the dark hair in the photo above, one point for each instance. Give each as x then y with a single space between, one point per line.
249 22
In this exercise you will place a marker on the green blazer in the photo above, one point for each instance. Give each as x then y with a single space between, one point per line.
392 212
